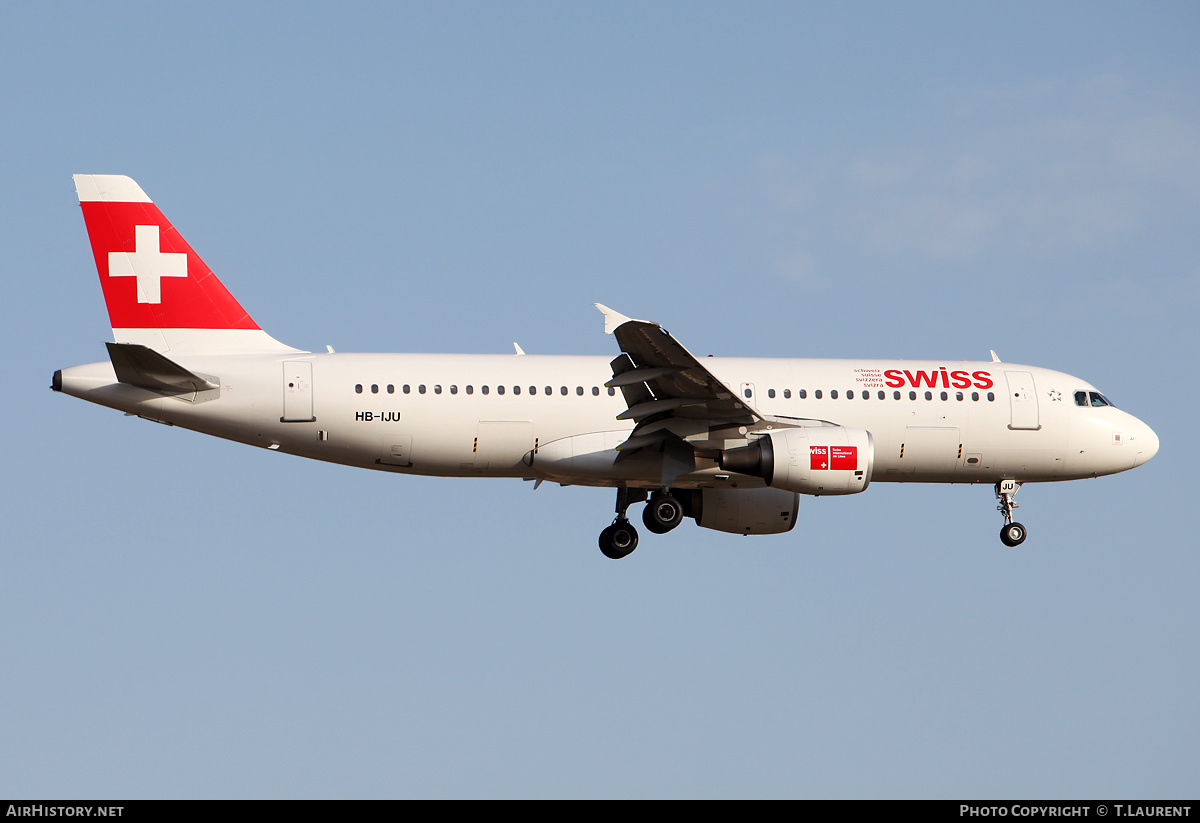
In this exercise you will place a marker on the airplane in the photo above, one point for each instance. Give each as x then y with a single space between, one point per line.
731 443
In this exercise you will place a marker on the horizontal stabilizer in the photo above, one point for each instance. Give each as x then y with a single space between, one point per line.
140 366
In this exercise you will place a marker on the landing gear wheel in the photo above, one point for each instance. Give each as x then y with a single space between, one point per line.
662 513
1013 534
618 540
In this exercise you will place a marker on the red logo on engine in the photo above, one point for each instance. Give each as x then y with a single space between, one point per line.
832 458
843 457
818 457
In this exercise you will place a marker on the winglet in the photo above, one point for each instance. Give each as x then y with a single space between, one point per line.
995 357
613 320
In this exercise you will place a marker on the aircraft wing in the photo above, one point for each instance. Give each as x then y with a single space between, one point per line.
678 405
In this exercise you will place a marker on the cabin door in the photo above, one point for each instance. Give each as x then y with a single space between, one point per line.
1023 399
297 392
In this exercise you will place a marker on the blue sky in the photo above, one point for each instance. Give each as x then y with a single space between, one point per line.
185 617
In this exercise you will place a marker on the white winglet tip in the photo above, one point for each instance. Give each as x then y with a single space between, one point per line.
612 319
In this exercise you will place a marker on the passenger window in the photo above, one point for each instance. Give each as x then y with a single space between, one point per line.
958 395
771 393
895 395
437 389
391 389
611 391
516 389
358 388
803 394
991 396
499 390
421 388
833 394
787 394
454 389
945 396
928 395
563 391
484 389
595 391
974 395
817 394
579 390
912 395
374 388
470 389
549 391
406 388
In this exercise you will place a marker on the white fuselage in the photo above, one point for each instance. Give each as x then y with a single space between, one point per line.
551 417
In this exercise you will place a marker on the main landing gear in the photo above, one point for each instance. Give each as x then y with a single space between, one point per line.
1013 534
663 513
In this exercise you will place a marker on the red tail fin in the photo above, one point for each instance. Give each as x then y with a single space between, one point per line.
158 291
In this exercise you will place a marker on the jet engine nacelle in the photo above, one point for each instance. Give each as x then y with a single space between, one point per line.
816 460
744 511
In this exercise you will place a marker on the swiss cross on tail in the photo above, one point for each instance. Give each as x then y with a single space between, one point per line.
152 279
148 264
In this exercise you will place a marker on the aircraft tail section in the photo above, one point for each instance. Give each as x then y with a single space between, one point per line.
159 293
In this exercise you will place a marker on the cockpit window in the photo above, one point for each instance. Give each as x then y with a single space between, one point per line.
1091 398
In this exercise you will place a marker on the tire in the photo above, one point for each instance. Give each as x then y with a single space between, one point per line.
618 540
662 513
1013 534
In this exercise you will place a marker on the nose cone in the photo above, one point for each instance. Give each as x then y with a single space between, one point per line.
1146 443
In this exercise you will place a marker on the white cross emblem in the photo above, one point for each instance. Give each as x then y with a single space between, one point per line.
147 264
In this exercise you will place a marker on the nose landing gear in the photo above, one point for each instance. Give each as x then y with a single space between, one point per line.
1013 534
